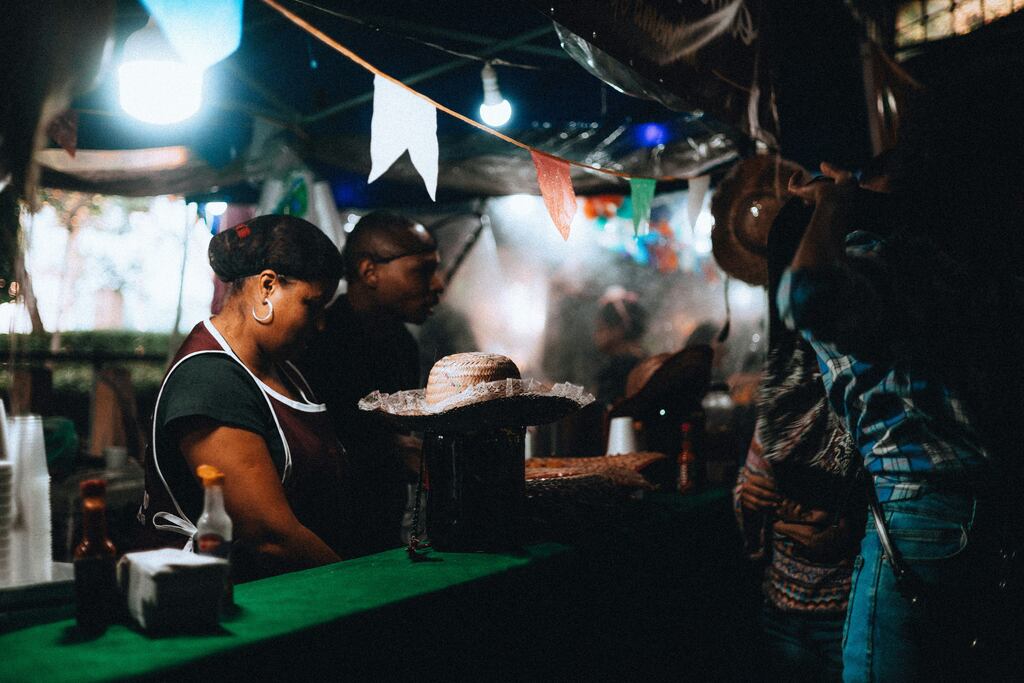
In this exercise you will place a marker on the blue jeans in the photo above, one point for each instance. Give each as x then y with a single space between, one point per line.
802 646
887 638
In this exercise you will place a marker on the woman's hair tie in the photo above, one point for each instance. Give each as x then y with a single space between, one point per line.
242 230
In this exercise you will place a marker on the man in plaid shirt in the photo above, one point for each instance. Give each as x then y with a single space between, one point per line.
910 428
899 320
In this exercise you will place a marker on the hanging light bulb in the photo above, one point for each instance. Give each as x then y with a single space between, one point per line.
495 111
155 85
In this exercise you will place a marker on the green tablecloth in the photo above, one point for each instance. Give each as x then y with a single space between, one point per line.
646 589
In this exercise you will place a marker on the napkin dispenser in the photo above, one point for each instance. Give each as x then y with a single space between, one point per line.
172 591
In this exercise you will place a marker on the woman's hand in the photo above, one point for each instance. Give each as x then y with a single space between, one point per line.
758 493
816 535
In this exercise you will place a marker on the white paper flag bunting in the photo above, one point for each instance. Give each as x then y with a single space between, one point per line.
402 121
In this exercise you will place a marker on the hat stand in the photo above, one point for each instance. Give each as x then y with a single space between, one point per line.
476 488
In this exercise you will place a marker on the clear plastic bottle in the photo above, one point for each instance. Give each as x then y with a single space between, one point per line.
213 530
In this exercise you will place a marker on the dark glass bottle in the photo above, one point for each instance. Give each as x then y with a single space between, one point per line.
96 594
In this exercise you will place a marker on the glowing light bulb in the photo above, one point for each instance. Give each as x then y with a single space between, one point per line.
496 110
155 85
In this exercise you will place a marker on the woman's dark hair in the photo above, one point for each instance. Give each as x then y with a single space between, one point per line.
627 314
286 244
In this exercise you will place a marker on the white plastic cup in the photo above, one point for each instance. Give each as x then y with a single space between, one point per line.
115 457
6 521
27 446
5 448
621 437
31 559
31 540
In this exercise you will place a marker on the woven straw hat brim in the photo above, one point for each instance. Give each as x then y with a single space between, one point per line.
495 413
739 240
682 379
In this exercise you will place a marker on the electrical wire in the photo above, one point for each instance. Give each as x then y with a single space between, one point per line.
418 41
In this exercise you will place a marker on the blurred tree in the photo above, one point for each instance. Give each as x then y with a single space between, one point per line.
73 210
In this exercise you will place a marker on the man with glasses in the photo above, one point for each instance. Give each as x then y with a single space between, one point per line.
392 269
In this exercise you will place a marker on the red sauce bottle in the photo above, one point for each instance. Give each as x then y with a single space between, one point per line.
96 595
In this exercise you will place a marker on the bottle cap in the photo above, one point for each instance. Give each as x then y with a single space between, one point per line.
210 475
91 488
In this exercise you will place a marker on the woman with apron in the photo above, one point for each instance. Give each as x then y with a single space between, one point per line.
232 400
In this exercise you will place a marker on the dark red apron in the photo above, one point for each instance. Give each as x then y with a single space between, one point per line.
310 474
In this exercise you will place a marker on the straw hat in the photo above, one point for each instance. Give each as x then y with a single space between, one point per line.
470 392
744 205
667 380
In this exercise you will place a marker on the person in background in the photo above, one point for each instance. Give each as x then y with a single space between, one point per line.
621 323
707 332
392 268
915 312
234 401
797 498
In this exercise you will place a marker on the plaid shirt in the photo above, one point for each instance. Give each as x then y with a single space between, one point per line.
909 428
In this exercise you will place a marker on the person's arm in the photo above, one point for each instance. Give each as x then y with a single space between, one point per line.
834 200
835 291
820 534
754 499
254 497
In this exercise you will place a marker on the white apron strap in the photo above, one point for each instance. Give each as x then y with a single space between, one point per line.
175 524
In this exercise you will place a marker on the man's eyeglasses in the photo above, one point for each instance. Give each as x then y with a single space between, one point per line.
388 259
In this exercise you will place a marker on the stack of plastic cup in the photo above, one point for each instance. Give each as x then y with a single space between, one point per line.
6 519
621 437
31 544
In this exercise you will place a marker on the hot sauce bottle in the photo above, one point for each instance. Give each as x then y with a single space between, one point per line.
96 594
687 461
213 530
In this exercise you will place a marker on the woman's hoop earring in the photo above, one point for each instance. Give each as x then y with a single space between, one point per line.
270 313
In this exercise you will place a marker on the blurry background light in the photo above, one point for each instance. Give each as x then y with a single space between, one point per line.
216 208
521 205
651 134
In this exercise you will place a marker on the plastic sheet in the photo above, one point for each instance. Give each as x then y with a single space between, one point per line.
624 79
